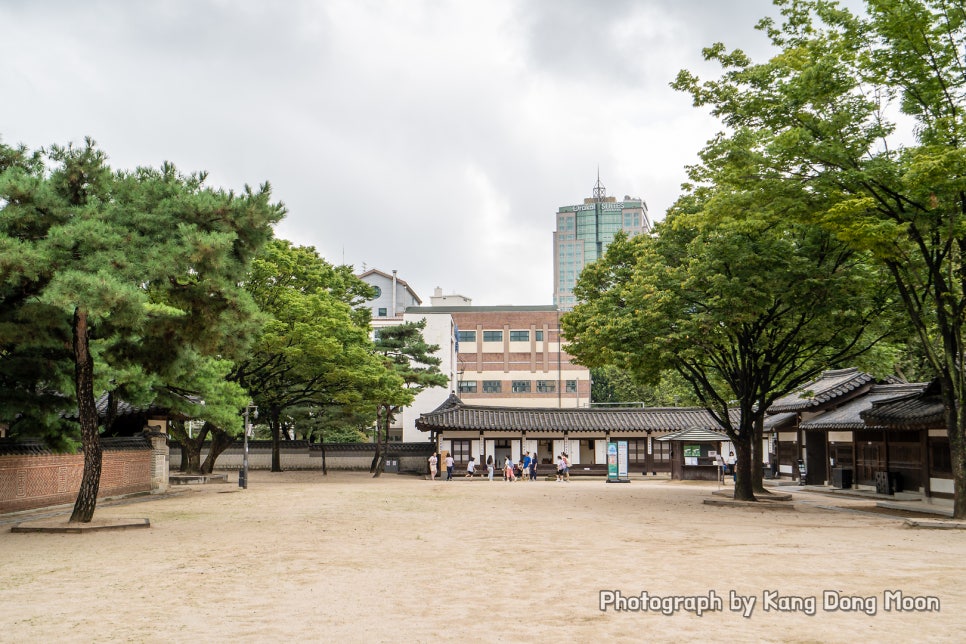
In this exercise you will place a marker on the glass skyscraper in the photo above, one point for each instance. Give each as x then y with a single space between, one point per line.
583 233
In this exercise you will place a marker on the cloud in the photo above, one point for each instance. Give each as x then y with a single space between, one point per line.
435 137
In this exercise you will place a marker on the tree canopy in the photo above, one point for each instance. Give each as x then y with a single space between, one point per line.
314 351
871 106
732 294
112 282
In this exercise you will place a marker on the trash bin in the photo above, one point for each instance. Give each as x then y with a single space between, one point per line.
243 479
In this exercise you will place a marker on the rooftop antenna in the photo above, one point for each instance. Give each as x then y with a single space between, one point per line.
600 193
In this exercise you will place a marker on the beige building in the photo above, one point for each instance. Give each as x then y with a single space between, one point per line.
511 356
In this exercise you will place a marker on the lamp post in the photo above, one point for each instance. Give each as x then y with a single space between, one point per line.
243 475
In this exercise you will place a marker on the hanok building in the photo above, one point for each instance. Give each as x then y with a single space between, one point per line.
848 431
583 433
786 443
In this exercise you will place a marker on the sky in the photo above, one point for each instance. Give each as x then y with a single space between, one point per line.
437 138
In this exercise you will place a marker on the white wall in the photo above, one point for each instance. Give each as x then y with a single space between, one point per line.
439 330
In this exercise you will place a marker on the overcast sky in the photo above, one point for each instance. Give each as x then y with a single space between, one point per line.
435 137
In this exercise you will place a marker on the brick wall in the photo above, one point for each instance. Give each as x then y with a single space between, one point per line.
35 480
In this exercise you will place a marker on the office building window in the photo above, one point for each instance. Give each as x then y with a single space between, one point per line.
521 386
467 336
468 387
546 386
538 336
571 387
492 386
493 336
519 336
382 313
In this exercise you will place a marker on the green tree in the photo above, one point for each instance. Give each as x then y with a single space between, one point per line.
614 385
743 306
129 271
827 107
411 361
314 352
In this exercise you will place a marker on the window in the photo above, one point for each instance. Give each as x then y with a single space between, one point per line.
662 451
538 336
461 450
492 386
467 336
519 336
382 312
546 386
521 386
637 450
571 387
468 387
493 336
377 290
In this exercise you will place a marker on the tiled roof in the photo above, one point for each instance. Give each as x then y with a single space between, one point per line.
127 409
825 389
454 415
923 409
849 414
775 422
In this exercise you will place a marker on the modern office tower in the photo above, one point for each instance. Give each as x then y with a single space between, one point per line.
583 233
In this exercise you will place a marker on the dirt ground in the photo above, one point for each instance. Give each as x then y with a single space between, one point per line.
302 556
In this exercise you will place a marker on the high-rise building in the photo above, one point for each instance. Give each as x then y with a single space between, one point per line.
583 233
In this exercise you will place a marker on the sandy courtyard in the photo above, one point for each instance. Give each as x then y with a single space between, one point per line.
299 556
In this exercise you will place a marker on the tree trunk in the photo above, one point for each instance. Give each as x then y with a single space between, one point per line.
220 441
275 425
87 414
190 447
744 489
956 429
377 457
757 460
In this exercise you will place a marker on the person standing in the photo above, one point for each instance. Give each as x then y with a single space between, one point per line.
489 466
432 466
533 467
732 465
526 464
449 467
560 467
507 470
566 467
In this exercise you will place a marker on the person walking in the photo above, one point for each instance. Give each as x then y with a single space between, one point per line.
566 467
507 470
489 466
732 465
449 467
471 468
533 467
432 466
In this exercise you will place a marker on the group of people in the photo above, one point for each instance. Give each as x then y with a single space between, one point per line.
563 467
527 468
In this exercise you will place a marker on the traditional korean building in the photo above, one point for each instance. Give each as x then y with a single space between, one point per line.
849 431
583 433
787 444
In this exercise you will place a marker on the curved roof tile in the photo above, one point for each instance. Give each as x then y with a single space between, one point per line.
825 389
